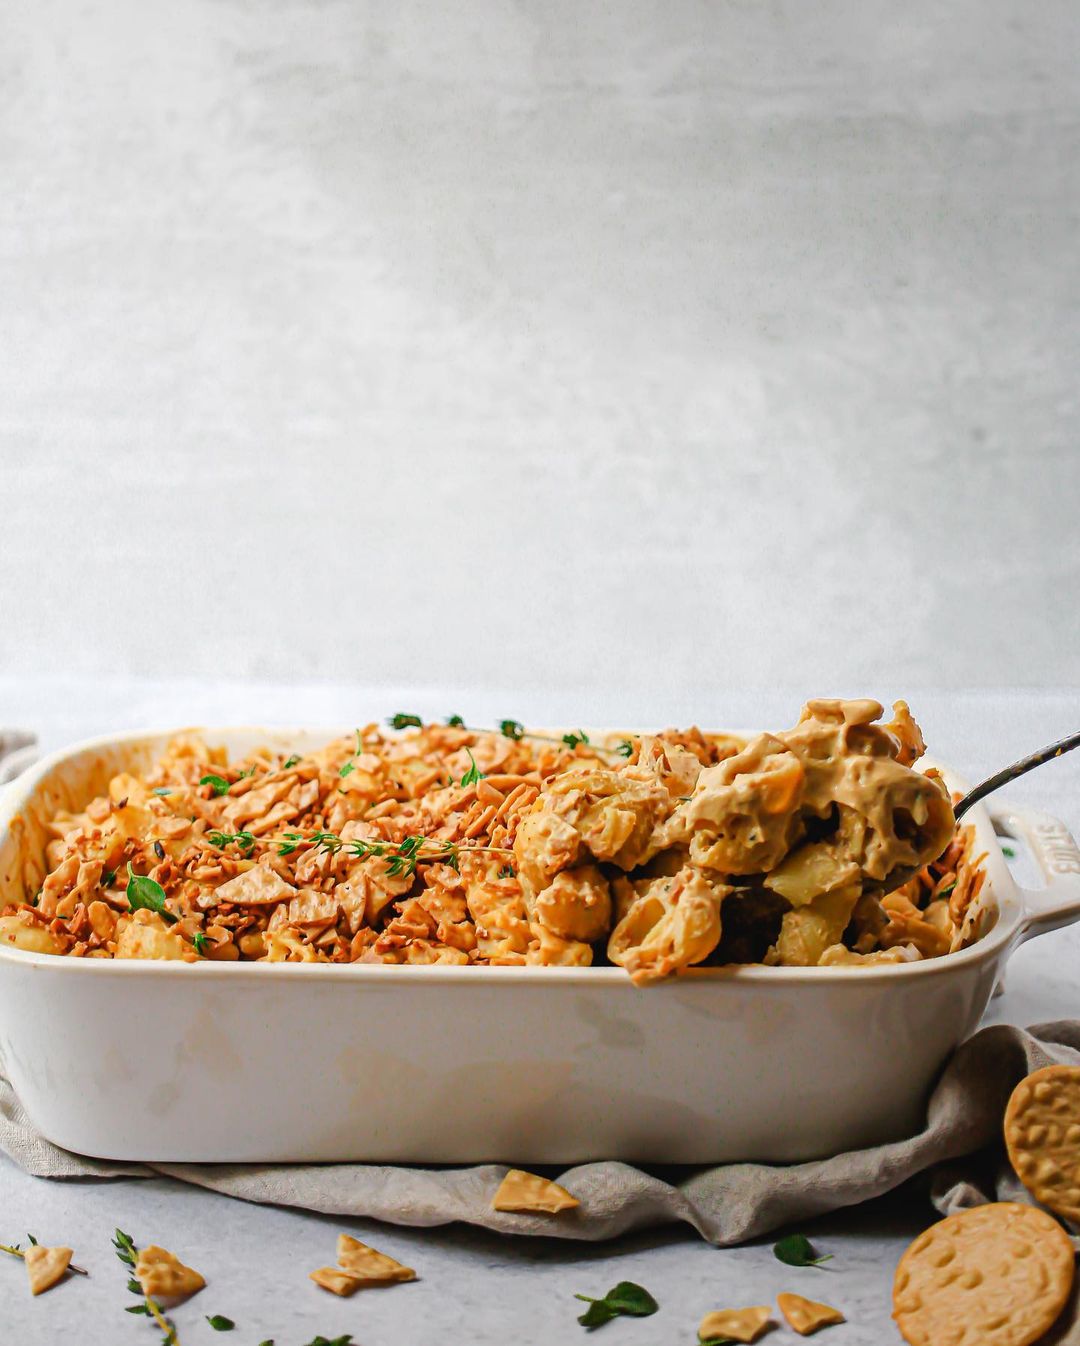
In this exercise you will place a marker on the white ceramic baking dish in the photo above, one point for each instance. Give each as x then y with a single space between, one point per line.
250 1062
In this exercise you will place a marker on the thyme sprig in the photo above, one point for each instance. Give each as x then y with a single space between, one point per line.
244 840
128 1254
17 1250
403 855
515 730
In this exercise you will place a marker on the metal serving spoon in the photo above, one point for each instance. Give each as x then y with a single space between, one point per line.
898 877
1014 772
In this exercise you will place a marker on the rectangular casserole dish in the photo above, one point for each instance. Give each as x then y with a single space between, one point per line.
253 1062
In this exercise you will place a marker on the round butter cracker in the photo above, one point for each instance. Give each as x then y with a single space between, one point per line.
1042 1136
995 1275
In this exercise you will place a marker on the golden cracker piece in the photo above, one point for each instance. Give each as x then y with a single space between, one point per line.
163 1276
807 1315
521 1191
335 1280
995 1275
736 1324
367 1264
45 1266
1042 1136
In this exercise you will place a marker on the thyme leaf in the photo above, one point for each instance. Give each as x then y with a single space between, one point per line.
400 721
796 1250
218 784
512 729
474 775
290 761
626 1298
147 893
219 1322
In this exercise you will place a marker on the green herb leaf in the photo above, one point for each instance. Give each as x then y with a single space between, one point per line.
147 893
572 740
134 1287
625 748
199 942
138 1308
717 1341
269 1342
512 729
632 1299
474 775
455 722
108 878
400 721
245 840
33 1241
1008 850
797 1251
345 1340
219 1322
625 1298
162 791
597 1314
507 872
218 784
291 843
347 769
290 761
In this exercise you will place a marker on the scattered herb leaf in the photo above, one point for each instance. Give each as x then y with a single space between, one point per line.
400 721
625 748
147 893
245 840
572 740
507 872
219 1322
218 784
797 1251
347 769
455 722
625 1298
1008 850
345 1340
290 761
199 941
474 775
512 729
108 878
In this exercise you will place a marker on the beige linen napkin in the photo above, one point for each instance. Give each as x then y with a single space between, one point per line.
726 1204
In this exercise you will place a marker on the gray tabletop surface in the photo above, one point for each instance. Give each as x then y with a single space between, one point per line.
473 1286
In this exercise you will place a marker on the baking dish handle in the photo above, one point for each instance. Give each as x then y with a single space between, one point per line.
1058 856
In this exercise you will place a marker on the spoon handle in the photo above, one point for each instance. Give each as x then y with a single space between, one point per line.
1011 773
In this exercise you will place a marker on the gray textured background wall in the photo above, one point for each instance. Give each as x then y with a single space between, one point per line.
541 343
